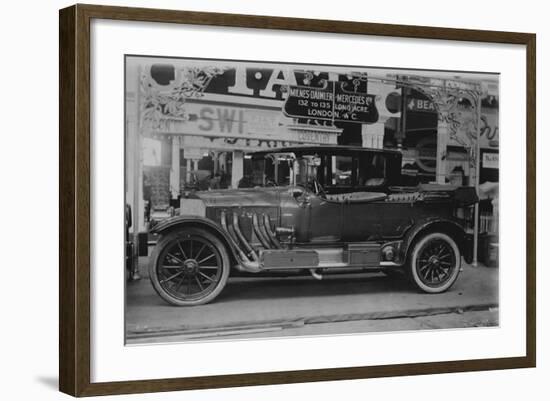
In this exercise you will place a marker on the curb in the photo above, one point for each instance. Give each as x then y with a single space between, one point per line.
246 327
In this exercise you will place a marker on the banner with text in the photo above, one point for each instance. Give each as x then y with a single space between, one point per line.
330 103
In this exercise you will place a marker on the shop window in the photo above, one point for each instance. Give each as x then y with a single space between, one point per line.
256 176
206 163
277 171
283 173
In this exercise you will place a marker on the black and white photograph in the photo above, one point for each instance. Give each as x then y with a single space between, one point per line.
282 200
271 199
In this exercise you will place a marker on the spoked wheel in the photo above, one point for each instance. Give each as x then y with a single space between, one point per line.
189 267
435 263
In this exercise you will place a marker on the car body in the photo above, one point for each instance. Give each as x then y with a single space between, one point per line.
321 210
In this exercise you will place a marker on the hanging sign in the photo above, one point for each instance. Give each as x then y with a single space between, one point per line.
423 105
330 103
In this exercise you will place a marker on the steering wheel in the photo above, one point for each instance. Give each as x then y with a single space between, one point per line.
318 188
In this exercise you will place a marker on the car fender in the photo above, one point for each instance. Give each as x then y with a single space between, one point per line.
451 227
178 222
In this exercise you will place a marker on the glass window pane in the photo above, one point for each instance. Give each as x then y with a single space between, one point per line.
342 170
371 171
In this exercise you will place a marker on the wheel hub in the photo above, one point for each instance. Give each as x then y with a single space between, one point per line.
190 266
434 260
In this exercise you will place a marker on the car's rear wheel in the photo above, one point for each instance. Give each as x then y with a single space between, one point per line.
434 262
189 267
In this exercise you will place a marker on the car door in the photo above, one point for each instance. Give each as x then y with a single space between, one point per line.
312 218
363 216
325 219
363 220
325 216
369 216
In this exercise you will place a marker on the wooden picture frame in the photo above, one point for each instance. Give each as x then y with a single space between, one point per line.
75 200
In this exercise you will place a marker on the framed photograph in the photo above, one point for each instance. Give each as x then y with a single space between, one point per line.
250 200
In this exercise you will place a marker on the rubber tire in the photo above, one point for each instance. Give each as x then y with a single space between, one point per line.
165 241
412 273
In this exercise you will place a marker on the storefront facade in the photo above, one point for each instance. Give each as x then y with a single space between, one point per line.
190 124
200 140
457 150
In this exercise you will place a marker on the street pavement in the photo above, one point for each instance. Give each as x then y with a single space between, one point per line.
266 307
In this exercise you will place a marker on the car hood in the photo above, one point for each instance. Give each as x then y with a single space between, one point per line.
259 197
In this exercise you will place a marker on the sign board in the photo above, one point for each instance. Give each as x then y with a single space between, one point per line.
245 145
316 137
232 123
221 120
489 160
330 103
423 105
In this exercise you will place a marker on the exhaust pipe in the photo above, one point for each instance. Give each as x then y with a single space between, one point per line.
261 236
269 233
249 267
223 221
241 237
245 264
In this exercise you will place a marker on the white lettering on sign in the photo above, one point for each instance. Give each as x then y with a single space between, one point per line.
200 143
313 137
287 78
241 88
490 160
204 143
212 120
420 105
223 120
354 99
240 83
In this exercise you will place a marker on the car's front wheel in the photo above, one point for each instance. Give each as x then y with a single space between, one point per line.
434 262
189 267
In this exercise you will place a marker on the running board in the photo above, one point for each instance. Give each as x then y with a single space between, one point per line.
354 255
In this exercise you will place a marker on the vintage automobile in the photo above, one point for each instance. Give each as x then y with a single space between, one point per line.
321 210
